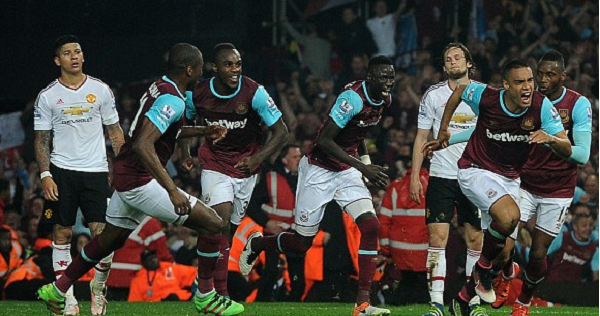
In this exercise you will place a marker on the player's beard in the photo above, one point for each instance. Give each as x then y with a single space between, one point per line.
456 76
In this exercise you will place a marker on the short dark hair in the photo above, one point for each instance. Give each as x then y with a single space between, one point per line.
221 47
380 60
465 50
513 64
286 149
181 56
65 39
555 56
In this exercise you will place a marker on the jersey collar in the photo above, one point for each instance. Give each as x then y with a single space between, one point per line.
212 89
174 85
561 96
509 113
367 96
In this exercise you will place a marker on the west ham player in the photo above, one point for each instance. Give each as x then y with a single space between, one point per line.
143 186
443 193
548 181
331 171
509 121
70 113
230 167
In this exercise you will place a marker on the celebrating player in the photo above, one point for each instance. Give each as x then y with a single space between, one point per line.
509 121
229 168
548 181
331 171
143 186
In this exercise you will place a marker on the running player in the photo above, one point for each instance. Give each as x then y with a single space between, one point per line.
509 121
331 171
443 193
548 181
230 167
143 186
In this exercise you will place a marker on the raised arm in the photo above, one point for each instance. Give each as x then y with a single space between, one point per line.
451 106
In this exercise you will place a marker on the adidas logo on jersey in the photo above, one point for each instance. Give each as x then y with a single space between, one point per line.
507 137
228 124
59 102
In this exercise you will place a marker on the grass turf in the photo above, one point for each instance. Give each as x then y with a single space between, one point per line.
10 308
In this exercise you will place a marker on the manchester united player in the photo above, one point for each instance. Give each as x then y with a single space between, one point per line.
331 171
230 167
143 186
509 122
548 181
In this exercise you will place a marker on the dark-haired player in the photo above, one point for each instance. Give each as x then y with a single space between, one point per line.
548 181
143 186
70 113
509 122
332 170
443 193
230 167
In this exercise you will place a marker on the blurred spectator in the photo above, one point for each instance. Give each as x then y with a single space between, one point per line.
28 277
11 254
317 51
383 28
161 281
4 197
354 38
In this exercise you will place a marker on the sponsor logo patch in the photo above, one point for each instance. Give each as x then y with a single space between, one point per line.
167 112
76 110
345 107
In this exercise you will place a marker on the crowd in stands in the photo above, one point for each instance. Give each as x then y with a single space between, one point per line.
304 82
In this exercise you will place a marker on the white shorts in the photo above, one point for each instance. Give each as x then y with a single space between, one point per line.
484 188
128 209
551 212
317 187
218 188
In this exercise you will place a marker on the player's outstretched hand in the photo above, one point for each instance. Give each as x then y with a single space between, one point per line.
186 164
49 189
216 133
375 174
180 202
431 146
248 164
541 137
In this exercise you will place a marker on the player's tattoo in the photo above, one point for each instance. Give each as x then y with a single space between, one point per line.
115 134
42 149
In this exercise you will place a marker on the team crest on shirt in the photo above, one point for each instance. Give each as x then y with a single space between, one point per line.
527 123
241 108
564 115
491 193
48 213
90 98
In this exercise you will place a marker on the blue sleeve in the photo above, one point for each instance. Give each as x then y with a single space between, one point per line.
190 108
472 95
551 123
555 245
581 150
166 110
582 115
461 137
347 105
265 106
595 261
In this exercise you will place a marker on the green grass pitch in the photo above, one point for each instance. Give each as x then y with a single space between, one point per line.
10 308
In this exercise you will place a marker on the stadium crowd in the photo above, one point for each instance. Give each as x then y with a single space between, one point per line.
304 79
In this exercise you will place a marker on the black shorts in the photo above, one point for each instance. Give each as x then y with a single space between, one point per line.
443 196
77 189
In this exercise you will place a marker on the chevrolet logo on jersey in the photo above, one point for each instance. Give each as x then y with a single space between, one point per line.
76 110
